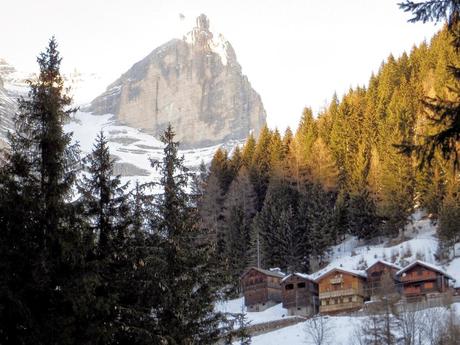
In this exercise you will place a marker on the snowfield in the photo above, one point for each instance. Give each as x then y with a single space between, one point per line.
276 312
131 147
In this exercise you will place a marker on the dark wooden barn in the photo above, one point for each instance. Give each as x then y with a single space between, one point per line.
382 279
261 288
300 294
420 279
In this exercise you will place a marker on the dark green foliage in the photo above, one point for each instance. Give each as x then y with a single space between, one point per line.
444 113
40 242
185 312
280 241
239 209
362 217
238 330
108 268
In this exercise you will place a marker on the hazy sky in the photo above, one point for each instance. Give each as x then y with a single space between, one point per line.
295 53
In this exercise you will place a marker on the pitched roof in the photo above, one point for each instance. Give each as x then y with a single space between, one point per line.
301 275
386 263
276 274
357 273
427 265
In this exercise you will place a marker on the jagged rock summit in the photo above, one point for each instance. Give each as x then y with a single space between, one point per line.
194 83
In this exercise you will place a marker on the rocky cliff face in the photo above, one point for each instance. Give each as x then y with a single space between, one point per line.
195 83
7 102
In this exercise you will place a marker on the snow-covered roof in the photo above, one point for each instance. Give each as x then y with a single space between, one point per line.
273 273
301 275
361 274
386 263
427 265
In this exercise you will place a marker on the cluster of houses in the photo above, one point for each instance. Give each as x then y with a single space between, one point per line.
340 290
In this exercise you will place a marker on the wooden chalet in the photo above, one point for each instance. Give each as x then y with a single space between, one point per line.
261 288
382 279
420 280
300 294
341 290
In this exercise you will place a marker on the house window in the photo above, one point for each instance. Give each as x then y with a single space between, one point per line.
301 285
327 302
289 286
350 299
428 285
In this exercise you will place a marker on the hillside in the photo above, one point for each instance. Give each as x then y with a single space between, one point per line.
421 243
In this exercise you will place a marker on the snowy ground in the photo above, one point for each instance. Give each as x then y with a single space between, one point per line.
341 327
421 244
276 312
131 146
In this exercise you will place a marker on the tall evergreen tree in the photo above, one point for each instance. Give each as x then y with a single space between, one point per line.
239 210
105 207
444 113
40 242
186 312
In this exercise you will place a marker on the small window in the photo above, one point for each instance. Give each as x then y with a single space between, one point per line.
327 302
301 285
349 299
289 286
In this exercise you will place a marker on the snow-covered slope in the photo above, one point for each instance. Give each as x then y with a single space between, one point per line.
420 243
131 148
12 85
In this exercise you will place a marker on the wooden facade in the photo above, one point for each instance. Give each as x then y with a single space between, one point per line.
341 290
420 279
382 279
300 294
261 288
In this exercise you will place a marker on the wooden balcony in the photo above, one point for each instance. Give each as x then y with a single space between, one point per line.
336 308
341 293
410 279
262 285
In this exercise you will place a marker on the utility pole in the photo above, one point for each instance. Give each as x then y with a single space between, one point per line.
258 251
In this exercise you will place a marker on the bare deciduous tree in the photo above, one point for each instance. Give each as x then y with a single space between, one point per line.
318 330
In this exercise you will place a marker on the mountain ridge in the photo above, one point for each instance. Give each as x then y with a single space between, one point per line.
194 83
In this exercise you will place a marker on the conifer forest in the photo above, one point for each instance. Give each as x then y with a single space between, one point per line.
88 258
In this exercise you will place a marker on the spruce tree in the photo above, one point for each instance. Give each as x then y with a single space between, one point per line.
444 113
239 210
185 313
40 242
104 204
260 172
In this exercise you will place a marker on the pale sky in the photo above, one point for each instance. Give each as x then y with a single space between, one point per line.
296 53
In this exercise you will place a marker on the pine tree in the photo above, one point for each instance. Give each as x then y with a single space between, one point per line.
105 207
449 216
248 151
444 114
239 210
40 238
260 171
186 311
276 226
323 167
